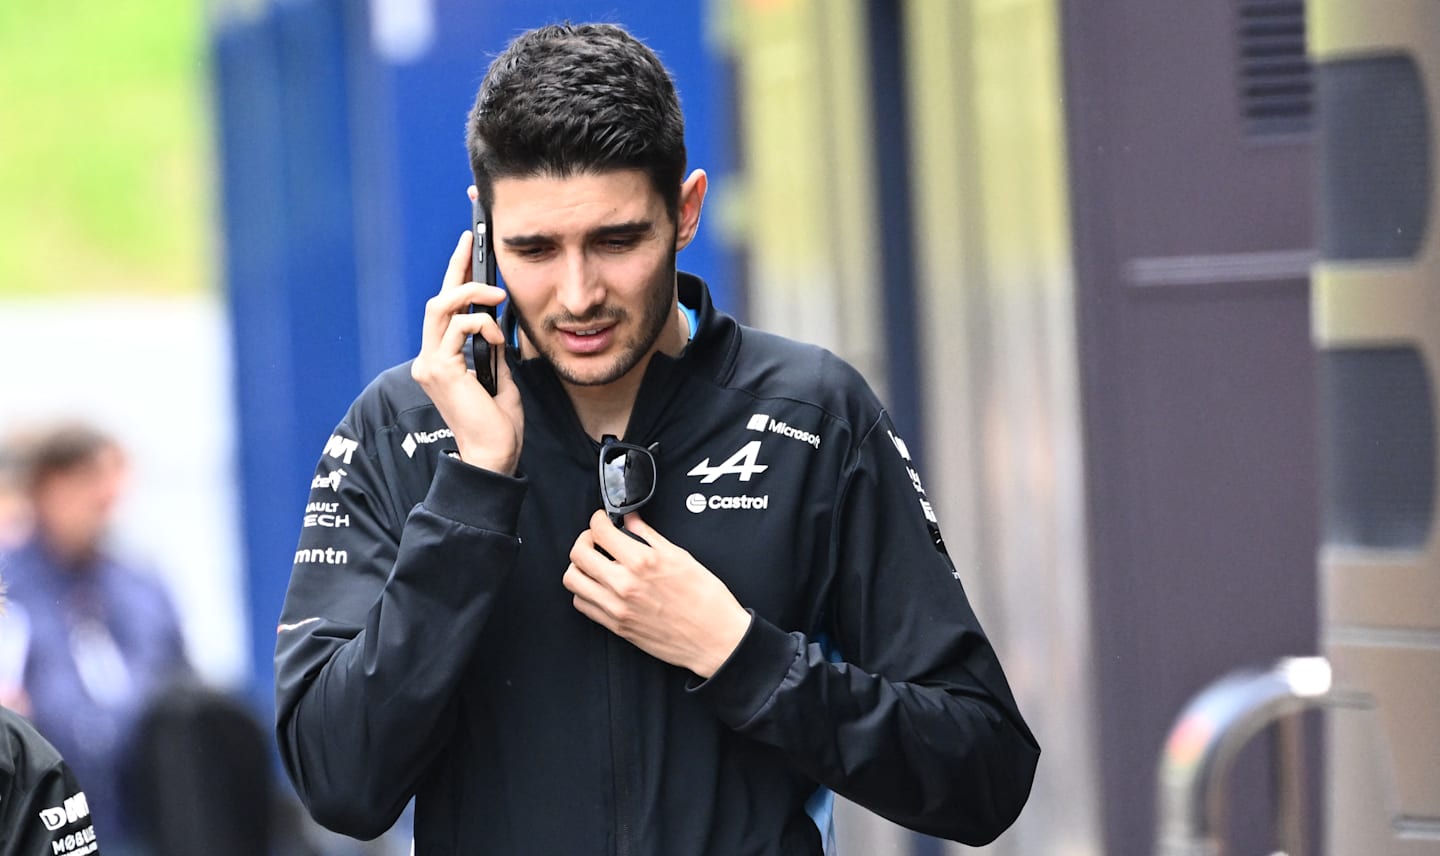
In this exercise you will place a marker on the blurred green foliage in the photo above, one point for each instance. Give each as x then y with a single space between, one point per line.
106 161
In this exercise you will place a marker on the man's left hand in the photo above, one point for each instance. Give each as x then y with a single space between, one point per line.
654 595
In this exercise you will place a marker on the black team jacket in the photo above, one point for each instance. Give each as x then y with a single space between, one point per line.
427 647
43 812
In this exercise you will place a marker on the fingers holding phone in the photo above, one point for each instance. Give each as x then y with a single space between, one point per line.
487 427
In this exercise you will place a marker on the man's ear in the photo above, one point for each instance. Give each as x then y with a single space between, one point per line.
692 199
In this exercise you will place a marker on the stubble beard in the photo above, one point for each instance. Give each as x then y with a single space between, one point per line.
655 314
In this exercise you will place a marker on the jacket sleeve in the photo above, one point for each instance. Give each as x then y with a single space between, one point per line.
910 714
382 613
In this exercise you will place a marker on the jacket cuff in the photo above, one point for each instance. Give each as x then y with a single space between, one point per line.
476 497
747 681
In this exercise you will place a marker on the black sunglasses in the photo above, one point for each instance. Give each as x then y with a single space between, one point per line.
627 477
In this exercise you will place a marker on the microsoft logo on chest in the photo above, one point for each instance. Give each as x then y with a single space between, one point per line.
762 422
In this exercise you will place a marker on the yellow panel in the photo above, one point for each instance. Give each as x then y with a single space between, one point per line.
1373 26
809 200
1371 304
992 256
1021 128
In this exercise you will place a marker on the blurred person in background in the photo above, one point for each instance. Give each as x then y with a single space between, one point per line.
43 812
103 636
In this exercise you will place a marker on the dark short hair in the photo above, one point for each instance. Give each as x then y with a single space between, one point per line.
566 99
61 449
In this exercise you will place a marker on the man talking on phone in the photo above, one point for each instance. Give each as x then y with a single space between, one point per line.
667 591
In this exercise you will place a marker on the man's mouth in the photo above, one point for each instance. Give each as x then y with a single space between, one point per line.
589 340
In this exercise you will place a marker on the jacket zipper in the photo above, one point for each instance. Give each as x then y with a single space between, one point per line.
622 755
622 749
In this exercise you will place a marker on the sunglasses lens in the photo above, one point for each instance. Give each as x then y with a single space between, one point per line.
627 476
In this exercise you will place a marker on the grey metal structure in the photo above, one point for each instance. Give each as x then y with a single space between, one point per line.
1376 322
1192 204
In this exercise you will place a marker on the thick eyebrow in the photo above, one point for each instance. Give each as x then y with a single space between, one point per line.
633 227
630 227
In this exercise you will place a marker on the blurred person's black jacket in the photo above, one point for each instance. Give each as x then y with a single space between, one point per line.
198 776
43 811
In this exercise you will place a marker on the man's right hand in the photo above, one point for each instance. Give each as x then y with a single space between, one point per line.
488 431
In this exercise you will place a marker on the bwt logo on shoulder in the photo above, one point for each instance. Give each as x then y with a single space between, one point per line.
341 448
414 439
761 422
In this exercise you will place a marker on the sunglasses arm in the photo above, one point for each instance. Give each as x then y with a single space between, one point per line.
619 521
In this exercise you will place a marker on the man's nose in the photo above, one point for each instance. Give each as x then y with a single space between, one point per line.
580 290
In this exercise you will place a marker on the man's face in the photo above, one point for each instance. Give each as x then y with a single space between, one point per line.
589 264
73 508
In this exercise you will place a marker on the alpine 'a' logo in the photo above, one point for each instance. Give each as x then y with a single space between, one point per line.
741 464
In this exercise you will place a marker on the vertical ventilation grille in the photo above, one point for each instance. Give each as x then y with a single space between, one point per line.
1276 92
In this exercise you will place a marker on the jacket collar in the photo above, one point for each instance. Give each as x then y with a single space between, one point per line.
709 355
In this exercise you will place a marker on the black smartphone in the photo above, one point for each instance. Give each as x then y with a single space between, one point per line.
482 269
